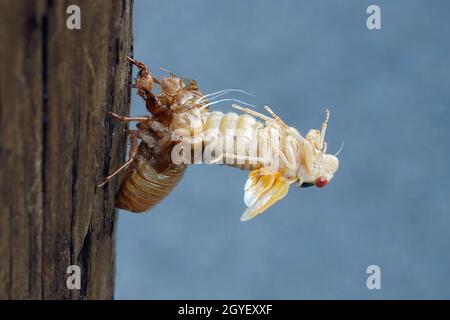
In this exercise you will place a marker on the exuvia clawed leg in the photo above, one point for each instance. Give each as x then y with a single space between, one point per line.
127 119
131 157
145 79
142 67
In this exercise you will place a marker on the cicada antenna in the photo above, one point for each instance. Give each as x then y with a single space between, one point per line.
340 149
217 94
222 100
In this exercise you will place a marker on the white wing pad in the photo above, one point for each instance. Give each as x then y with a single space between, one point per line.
262 191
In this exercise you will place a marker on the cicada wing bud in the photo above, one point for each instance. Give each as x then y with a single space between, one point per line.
262 191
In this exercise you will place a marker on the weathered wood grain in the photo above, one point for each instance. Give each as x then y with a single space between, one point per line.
56 144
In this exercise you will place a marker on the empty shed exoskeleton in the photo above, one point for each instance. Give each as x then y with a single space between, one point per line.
180 125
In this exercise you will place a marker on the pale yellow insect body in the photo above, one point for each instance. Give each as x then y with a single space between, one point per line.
283 155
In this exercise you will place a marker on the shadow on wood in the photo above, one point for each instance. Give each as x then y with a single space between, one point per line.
56 144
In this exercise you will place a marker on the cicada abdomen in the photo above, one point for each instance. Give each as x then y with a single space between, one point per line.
145 183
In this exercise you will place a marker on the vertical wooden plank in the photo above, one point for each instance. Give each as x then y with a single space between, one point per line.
56 144
20 148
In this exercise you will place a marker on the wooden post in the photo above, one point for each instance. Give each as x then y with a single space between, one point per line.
56 144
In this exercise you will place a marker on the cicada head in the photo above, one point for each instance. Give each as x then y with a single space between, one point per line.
326 169
318 167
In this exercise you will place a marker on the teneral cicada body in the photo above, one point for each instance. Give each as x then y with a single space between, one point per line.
181 131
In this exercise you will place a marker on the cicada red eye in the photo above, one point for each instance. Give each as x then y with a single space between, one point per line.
321 182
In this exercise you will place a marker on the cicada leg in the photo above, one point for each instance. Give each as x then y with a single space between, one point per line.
131 157
127 119
144 85
144 82
276 117
141 66
251 112
323 130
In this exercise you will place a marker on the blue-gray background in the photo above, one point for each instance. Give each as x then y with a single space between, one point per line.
388 205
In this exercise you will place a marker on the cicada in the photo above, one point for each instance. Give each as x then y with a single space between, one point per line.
181 130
